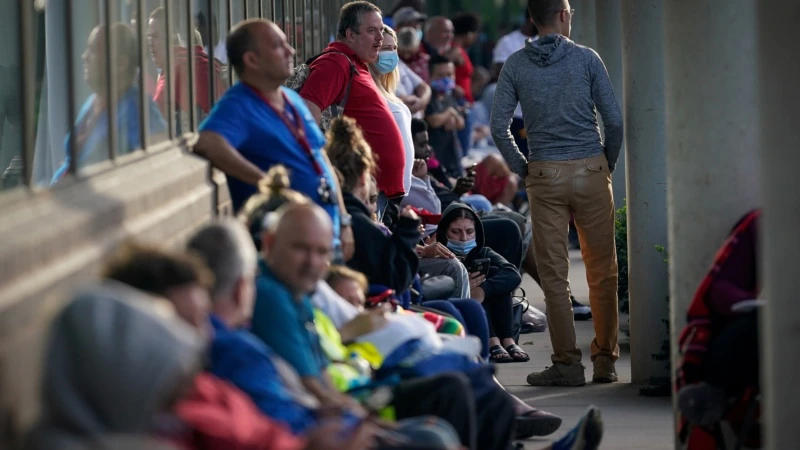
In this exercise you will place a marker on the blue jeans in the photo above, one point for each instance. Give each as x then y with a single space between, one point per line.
470 313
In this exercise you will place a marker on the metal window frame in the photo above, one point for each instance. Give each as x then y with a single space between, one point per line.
144 55
192 88
112 82
170 69
26 84
228 30
212 92
71 115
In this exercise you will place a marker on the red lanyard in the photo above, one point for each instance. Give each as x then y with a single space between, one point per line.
297 128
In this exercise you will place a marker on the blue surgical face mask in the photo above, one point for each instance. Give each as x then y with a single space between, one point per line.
444 85
387 61
461 247
419 34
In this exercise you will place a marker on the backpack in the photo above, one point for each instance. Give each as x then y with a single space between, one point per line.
298 78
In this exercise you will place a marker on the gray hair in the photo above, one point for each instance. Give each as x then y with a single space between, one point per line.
407 38
350 16
227 249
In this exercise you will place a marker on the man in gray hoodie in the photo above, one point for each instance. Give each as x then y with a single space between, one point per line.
561 86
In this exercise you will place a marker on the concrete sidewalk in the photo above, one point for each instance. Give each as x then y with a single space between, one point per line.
631 422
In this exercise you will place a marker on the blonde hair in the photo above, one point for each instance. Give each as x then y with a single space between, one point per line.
388 82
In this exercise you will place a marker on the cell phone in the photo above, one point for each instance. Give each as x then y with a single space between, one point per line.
480 265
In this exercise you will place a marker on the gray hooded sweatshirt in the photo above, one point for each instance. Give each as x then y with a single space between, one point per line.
560 86
115 359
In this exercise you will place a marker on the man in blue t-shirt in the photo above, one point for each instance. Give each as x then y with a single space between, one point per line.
258 124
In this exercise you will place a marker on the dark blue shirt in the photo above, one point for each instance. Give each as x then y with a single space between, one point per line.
246 362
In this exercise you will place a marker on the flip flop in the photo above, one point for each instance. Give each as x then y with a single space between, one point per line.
517 354
498 355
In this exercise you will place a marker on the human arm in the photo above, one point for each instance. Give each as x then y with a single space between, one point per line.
315 111
345 231
222 155
505 102
606 103
423 93
503 276
331 400
326 83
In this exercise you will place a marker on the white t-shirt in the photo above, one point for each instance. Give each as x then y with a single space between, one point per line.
339 310
409 81
402 115
507 46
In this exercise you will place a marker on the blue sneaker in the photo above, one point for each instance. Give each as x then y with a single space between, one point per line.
586 435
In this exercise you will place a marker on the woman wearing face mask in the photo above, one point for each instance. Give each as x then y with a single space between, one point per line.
461 231
387 77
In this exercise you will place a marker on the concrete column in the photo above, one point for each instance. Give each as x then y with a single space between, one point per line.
584 22
643 63
778 93
609 46
712 135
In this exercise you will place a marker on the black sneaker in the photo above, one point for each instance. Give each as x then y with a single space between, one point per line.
579 310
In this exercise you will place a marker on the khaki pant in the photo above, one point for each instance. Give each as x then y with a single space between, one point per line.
581 188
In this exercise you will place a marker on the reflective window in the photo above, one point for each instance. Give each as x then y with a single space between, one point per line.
103 79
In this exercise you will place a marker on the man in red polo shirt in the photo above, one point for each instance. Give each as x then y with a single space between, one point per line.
359 37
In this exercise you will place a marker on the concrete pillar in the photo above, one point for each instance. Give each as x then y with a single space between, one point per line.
778 93
643 62
584 22
712 135
609 46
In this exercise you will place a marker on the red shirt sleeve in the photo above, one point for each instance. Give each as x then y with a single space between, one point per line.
464 76
326 83
223 417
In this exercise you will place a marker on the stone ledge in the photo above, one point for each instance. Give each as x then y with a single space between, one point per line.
53 240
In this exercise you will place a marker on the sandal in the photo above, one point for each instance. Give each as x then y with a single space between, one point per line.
517 354
498 355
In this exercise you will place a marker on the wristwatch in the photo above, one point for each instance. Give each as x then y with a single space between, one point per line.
346 220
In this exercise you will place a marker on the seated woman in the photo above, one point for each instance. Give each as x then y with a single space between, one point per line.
492 278
385 256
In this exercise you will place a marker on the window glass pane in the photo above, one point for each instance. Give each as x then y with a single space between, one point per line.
266 9
222 26
89 132
253 9
11 165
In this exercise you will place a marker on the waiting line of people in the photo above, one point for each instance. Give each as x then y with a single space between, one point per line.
483 249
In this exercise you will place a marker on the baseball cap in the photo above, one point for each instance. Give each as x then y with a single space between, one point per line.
407 15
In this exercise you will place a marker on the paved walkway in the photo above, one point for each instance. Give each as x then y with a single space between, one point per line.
631 422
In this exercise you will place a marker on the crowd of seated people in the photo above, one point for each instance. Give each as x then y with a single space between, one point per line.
345 307
239 358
